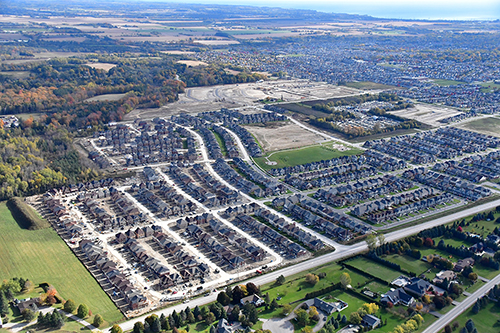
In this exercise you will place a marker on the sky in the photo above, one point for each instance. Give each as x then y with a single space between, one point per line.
404 9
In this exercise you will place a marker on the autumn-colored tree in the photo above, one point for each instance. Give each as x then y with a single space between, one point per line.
312 279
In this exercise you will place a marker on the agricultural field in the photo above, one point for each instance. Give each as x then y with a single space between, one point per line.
486 125
42 256
303 155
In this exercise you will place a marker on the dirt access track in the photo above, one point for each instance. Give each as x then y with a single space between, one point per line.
283 135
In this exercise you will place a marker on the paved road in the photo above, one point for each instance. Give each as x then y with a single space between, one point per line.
464 305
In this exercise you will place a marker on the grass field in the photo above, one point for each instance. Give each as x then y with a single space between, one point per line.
486 321
411 264
489 86
374 269
441 82
304 155
42 256
488 126
367 85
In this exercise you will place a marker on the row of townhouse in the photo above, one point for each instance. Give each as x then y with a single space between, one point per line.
462 170
394 200
400 150
360 171
235 179
272 186
291 206
349 194
228 116
446 183
381 161
270 236
216 249
247 139
291 229
179 204
83 187
188 184
94 253
229 143
251 250
392 213
213 147
352 159
187 268
225 195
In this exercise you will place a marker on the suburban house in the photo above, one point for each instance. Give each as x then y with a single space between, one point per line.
398 296
370 321
254 299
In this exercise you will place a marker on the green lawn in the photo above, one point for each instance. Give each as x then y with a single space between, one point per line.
304 155
221 142
377 270
489 86
42 256
486 321
441 82
410 264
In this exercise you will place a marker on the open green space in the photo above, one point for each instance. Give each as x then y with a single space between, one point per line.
221 143
367 85
255 32
304 155
42 256
442 82
408 263
374 269
489 86
488 125
486 321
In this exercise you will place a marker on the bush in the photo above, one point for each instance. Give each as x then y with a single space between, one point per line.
98 321
83 311
70 306
25 216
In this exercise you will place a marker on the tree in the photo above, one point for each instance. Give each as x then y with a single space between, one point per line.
274 305
252 289
83 311
4 304
70 306
313 313
355 318
138 327
370 308
28 315
345 280
98 320
381 239
312 279
447 329
238 294
426 299
371 242
156 325
235 313
210 318
116 329
286 309
280 280
223 299
343 320
472 276
301 316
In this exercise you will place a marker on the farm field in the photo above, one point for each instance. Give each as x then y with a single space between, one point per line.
486 125
427 113
303 155
42 256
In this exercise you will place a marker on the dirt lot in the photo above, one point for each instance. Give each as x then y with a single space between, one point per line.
101 65
106 97
192 63
212 98
428 114
283 135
